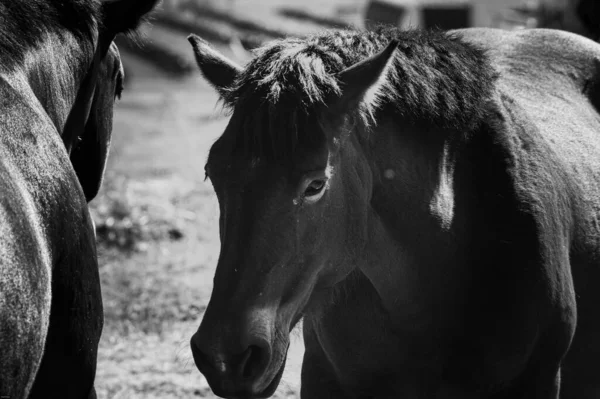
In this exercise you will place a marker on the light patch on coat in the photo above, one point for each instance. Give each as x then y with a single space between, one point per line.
442 202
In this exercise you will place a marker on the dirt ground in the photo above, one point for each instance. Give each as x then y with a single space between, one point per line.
157 223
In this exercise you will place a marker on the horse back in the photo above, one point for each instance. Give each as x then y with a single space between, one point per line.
553 78
549 95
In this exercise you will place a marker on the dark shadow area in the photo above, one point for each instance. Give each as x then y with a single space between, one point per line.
446 18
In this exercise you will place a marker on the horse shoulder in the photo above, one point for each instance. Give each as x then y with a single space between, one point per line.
520 216
32 149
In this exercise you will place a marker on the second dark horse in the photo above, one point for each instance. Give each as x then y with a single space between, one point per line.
59 75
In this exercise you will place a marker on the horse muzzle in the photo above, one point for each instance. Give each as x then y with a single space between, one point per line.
250 373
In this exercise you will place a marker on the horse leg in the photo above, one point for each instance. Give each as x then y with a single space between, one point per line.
68 366
581 367
581 370
318 378
543 383
542 378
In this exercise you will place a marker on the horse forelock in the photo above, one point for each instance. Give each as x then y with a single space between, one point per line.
435 77
26 24
279 97
264 131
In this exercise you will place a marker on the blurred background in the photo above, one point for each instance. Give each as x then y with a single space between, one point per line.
157 218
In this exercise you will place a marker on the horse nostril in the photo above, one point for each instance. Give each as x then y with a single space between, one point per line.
200 358
254 361
241 367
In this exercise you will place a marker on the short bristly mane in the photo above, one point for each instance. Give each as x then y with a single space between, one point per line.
24 24
436 77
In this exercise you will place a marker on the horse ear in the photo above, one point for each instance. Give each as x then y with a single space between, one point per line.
220 71
121 16
362 81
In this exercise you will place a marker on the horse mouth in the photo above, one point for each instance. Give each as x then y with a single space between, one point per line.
272 387
248 391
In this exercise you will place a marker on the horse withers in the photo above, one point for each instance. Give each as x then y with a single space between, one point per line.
59 75
427 202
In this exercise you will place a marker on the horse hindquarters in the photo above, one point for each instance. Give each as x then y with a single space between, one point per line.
24 296
22 338
22 334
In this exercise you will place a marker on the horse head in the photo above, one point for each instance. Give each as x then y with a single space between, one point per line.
294 189
87 133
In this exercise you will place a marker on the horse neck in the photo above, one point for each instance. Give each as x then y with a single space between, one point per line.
55 72
414 247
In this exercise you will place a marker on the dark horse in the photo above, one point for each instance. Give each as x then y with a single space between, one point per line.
428 202
59 75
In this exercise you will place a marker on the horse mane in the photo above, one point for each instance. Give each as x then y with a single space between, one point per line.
436 77
25 24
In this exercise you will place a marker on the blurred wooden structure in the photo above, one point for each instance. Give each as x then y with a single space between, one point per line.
444 14
579 16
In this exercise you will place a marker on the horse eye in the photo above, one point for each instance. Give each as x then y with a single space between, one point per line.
314 188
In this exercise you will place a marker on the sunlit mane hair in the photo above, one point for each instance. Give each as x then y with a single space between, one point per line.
24 24
436 77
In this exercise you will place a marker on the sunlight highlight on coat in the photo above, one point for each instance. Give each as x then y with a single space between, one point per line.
442 202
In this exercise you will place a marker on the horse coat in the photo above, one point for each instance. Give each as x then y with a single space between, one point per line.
427 202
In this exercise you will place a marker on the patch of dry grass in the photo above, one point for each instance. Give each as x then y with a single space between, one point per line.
142 365
146 300
148 267
129 220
